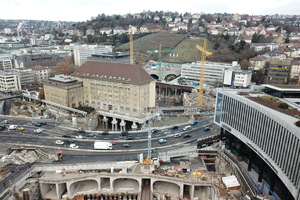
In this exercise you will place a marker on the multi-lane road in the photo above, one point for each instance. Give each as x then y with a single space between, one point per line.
50 133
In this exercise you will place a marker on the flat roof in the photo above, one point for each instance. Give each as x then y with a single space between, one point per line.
294 88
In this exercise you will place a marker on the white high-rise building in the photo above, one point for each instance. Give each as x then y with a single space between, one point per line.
10 81
213 72
81 53
237 78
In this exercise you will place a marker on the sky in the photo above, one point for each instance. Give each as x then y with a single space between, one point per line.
83 10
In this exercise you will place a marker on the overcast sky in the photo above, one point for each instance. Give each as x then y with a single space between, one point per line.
82 10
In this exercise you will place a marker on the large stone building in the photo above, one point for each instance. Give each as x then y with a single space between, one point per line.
63 90
121 93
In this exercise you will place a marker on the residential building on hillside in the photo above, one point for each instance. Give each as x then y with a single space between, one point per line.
262 136
213 73
63 90
279 71
10 81
236 78
121 94
257 62
40 73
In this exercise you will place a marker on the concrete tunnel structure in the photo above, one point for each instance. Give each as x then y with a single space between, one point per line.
127 184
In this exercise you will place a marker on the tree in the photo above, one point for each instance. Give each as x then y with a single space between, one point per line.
63 68
245 64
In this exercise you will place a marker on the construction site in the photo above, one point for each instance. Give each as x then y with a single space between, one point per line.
190 173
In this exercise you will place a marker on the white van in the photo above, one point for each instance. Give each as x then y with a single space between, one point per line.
187 128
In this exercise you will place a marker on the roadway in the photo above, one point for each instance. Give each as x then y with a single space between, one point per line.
51 132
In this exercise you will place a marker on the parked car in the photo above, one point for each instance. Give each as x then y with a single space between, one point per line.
126 145
124 133
12 127
187 135
174 127
2 127
177 135
74 146
187 128
43 123
59 142
68 141
38 124
38 130
91 135
129 137
79 137
206 129
194 122
81 131
162 141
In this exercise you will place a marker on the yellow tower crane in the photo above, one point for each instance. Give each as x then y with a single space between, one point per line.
204 53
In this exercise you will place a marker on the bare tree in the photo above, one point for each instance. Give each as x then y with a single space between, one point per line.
63 68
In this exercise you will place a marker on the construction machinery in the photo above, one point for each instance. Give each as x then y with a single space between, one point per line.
159 52
204 53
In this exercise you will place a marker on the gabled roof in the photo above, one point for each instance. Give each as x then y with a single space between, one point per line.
116 72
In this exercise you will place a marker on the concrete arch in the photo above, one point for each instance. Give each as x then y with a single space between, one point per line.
167 188
155 76
126 185
89 186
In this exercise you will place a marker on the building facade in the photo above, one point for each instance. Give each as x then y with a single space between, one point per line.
237 78
64 90
213 74
267 140
279 71
118 92
40 73
10 81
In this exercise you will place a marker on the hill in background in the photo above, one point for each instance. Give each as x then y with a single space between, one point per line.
151 42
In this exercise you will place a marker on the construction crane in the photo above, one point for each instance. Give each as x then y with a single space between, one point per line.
204 53
131 32
159 52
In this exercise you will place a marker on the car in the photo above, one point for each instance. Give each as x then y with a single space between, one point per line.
129 137
206 129
38 124
187 135
154 130
187 128
66 136
12 127
21 129
124 133
5 121
81 131
91 135
126 145
79 137
174 127
68 141
177 135
104 133
43 123
74 146
38 130
59 142
162 141
112 142
194 122
2 127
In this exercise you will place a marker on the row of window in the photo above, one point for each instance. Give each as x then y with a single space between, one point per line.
273 138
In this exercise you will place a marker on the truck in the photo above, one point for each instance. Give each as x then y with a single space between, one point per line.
103 145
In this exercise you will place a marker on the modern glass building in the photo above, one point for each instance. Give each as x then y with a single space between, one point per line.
266 139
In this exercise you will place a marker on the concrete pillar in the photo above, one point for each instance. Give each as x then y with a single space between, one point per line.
192 191
105 121
181 190
261 171
111 181
134 126
123 125
114 124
